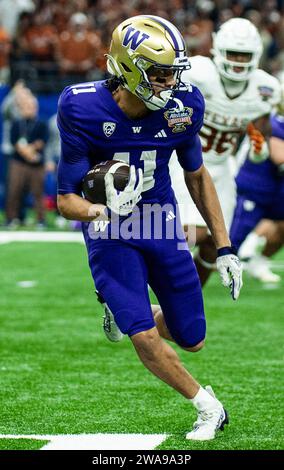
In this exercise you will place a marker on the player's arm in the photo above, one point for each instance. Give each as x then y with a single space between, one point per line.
202 190
277 153
259 132
73 165
203 193
74 207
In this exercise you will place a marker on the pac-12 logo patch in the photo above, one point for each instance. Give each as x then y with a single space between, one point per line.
178 120
109 128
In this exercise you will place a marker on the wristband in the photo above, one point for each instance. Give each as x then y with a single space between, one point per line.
226 250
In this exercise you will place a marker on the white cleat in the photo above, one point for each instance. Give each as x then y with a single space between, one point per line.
111 329
209 422
258 267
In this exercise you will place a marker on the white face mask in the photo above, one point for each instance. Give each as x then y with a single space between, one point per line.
232 87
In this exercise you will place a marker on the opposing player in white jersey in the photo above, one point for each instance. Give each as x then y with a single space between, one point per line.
238 99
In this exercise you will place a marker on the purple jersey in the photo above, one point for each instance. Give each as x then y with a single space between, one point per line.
260 193
261 182
93 128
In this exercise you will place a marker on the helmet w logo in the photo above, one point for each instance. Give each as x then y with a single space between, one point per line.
134 38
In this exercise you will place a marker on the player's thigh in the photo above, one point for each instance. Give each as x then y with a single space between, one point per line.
189 214
174 279
120 275
247 214
226 190
276 212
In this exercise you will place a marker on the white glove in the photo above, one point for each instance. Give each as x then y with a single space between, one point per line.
123 202
230 270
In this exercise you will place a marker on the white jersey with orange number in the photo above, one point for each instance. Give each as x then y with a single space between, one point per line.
225 121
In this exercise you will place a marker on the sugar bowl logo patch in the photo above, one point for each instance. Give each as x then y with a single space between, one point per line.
178 120
265 92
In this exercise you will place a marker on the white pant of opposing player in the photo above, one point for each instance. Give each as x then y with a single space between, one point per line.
223 178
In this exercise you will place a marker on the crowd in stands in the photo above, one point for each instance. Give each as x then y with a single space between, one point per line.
48 44
52 42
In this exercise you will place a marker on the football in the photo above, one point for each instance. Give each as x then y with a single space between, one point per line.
93 185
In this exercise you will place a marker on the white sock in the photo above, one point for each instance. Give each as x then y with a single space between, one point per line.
203 400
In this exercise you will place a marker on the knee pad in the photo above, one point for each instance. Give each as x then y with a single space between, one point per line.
193 333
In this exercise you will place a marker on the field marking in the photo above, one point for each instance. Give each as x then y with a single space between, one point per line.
271 286
279 265
26 284
94 441
69 237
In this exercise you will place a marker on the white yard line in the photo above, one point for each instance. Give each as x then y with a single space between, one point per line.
64 237
94 441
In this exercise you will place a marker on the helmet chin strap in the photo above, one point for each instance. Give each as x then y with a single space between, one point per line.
233 87
159 103
179 104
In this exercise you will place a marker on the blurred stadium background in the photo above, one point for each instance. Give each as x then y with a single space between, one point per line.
55 376
46 45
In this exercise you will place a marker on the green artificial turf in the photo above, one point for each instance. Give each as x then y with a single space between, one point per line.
59 375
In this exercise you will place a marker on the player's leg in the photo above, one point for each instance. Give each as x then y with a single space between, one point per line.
259 246
248 234
246 216
160 322
205 257
273 232
158 357
164 331
110 327
180 318
222 175
195 228
124 288
164 362
180 314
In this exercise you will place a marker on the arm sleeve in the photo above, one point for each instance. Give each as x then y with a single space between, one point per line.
190 152
190 156
74 160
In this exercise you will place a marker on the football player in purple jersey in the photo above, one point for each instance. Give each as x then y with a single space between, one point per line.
139 116
261 196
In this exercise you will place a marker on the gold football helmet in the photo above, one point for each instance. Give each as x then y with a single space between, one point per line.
143 44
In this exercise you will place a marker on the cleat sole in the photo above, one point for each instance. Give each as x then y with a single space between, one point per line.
225 421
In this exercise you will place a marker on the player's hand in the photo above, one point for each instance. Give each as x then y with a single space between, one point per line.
259 149
230 270
123 202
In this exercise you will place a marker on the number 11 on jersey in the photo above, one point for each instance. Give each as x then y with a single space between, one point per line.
149 159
